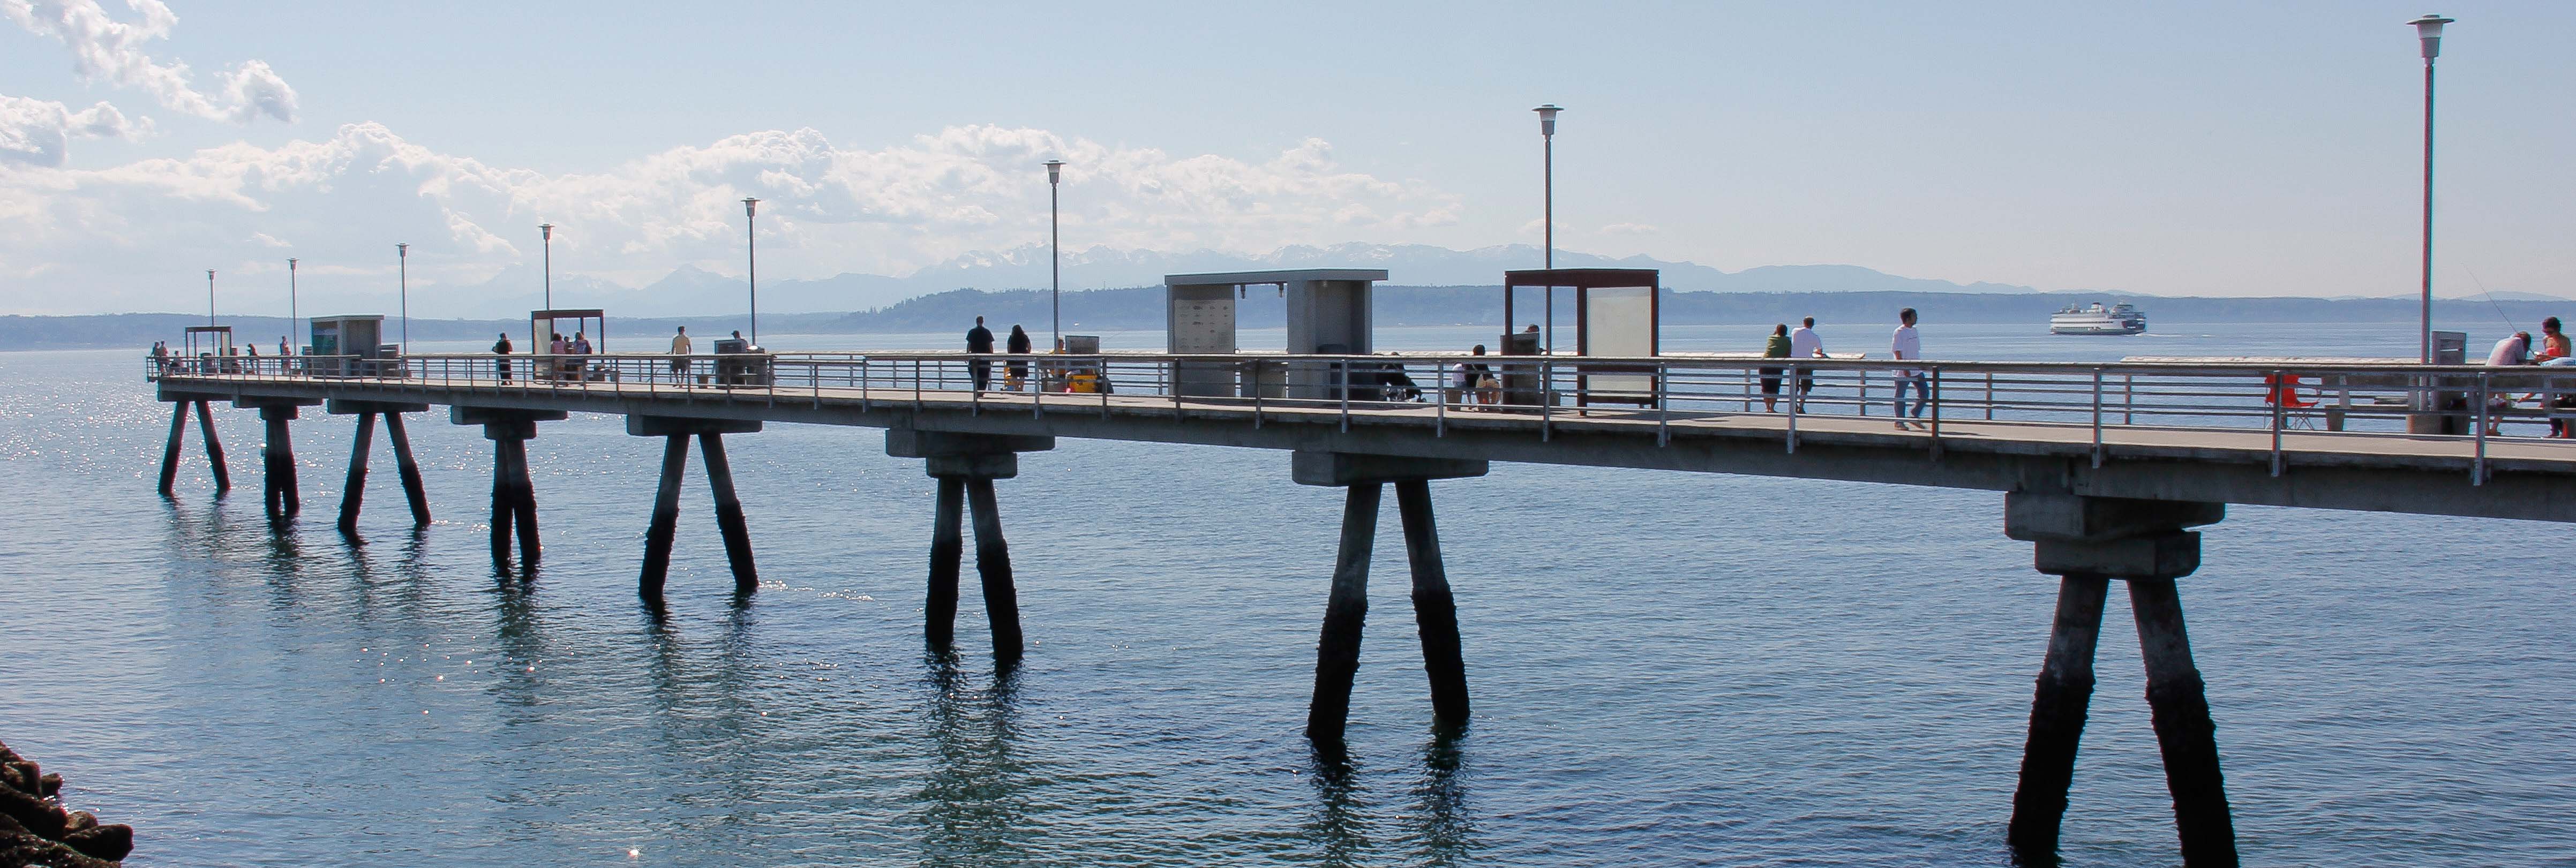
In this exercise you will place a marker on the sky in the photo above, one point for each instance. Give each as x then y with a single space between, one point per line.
2164 149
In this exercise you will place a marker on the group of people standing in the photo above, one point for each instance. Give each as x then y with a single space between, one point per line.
1015 371
1803 343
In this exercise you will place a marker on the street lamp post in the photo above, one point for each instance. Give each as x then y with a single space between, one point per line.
210 296
1055 254
2428 30
402 271
751 273
294 317
547 231
1547 214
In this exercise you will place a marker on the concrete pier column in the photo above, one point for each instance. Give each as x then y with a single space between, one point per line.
514 495
1337 647
729 520
353 493
214 447
2057 711
2184 731
675 432
170 452
947 550
277 456
408 468
965 466
2088 541
1435 612
666 519
993 565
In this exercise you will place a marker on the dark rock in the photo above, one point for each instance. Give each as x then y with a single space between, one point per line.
35 829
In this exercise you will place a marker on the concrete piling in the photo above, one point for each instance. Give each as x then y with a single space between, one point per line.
729 520
2088 541
408 468
277 456
993 564
1435 610
2057 712
2184 732
514 494
353 493
214 447
1337 647
947 549
170 452
666 518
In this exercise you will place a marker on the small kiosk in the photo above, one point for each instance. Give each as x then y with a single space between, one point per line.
1617 312
350 346
1328 314
208 348
543 325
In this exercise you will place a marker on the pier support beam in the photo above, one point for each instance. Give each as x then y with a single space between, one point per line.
658 535
965 466
2088 541
514 494
277 456
353 492
179 404
1435 610
214 447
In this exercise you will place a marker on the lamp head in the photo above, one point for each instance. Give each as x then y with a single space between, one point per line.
547 229
750 207
1055 171
1547 119
290 263
2429 30
402 251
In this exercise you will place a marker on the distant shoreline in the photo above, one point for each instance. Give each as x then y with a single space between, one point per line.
1142 308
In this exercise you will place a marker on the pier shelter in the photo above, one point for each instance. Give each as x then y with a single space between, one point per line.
348 346
1328 314
1617 312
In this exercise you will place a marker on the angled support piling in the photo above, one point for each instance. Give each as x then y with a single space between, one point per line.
664 528
1435 609
2087 542
408 468
214 447
170 452
353 493
514 494
965 466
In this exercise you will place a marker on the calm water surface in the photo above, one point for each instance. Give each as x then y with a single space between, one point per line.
1668 668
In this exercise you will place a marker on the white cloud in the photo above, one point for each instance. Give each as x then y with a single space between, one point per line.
104 48
345 200
1630 229
39 132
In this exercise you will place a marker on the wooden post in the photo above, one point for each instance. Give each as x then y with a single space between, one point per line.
170 453
993 561
947 549
1337 650
524 502
214 447
409 469
2184 732
2057 712
1435 610
737 534
666 519
278 458
354 492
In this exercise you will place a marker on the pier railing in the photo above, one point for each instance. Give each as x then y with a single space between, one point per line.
2468 403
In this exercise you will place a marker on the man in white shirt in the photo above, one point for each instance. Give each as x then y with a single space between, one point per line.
1909 345
1803 343
680 351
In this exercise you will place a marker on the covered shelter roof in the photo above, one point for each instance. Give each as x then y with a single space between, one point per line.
1291 275
1580 278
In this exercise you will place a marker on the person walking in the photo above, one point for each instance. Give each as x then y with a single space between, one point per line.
501 347
1804 344
1907 345
979 340
1774 347
1016 371
680 355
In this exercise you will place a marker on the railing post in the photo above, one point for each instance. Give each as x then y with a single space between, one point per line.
1990 396
1663 408
2485 417
2273 387
1440 391
1342 385
2097 417
2129 400
1864 391
1936 411
1797 379
1546 397
1256 394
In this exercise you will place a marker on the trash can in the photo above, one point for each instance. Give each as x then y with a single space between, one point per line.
738 363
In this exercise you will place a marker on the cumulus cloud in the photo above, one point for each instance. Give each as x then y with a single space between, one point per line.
38 132
1631 229
826 209
106 49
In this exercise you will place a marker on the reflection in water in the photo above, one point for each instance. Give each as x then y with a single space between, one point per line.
1448 833
974 802
702 718
1337 830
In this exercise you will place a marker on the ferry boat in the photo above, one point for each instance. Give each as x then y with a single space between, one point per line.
2095 319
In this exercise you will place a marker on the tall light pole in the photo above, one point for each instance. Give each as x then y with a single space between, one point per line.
2428 30
751 248
294 317
402 270
1547 215
1055 253
547 231
210 296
